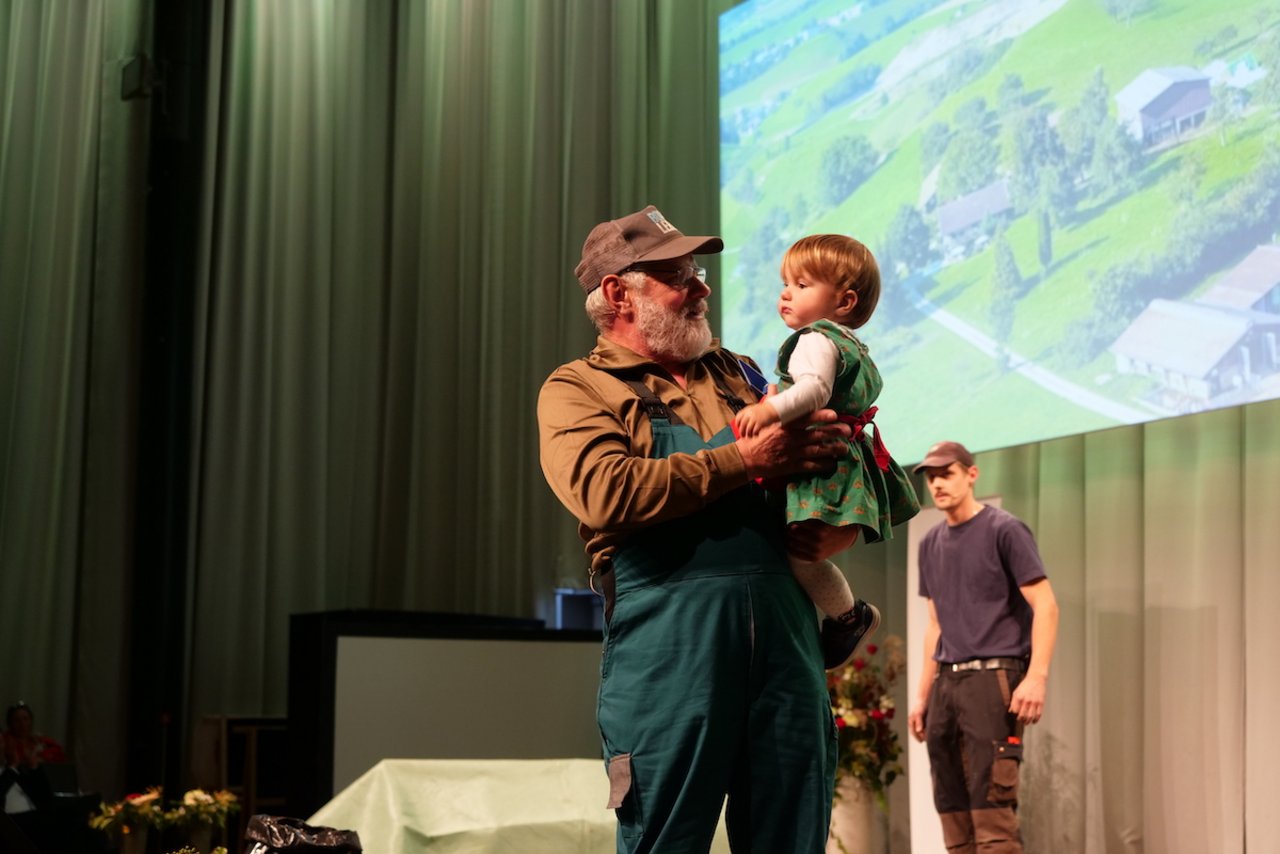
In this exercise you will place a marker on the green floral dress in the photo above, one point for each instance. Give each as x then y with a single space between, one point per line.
868 487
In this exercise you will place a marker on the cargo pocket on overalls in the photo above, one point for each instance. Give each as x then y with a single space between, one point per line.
1005 767
622 795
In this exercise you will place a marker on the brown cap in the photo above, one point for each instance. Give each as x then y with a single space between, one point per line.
944 454
645 235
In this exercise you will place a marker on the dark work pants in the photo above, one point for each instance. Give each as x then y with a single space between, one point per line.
975 767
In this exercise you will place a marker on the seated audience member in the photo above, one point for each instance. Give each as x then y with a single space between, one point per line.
24 788
23 746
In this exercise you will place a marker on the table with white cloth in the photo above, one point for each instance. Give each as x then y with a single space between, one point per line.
464 806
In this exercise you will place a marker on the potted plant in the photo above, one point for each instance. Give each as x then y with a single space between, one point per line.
199 812
869 749
131 819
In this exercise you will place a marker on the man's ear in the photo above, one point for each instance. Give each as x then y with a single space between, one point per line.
616 293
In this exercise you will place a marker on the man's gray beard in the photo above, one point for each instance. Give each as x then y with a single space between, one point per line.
672 334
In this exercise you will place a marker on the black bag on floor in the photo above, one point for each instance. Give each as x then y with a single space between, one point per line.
271 834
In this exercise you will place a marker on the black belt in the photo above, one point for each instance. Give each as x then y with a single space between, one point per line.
983 664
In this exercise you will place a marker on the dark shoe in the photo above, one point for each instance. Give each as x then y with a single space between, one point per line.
841 638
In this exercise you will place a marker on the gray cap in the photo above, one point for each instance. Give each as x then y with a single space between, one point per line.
944 454
645 235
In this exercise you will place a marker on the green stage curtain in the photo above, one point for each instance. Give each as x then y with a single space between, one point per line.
72 161
397 197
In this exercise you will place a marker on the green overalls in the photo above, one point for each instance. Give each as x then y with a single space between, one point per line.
711 680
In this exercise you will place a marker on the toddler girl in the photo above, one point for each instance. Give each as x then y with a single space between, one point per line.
830 286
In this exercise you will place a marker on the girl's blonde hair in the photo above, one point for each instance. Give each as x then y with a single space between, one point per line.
845 263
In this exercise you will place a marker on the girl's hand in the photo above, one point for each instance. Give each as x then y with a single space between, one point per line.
754 418
810 447
812 540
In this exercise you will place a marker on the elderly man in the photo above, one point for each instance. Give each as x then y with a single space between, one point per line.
711 678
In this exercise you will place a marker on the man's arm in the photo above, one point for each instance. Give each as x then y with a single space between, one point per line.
927 673
1028 699
588 460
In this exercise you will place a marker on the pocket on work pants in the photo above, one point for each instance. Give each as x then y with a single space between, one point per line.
624 800
1005 770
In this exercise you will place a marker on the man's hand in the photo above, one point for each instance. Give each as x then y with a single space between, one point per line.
778 451
1028 699
915 721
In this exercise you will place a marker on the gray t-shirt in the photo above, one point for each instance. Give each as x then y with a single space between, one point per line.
972 572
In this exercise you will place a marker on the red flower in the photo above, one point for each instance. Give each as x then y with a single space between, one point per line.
871 649
840 724
859 663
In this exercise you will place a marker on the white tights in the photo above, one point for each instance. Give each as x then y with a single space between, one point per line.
825 584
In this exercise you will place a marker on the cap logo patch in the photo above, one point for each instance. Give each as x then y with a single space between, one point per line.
661 222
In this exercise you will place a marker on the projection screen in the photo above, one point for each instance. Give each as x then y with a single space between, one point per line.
1074 203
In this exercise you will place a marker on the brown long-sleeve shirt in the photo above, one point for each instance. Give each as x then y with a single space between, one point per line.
595 442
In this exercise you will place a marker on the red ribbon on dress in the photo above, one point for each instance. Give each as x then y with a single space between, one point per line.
859 424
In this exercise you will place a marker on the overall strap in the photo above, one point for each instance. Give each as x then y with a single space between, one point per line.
653 405
736 403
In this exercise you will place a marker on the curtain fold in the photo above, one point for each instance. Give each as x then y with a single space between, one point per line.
72 160
49 93
1259 625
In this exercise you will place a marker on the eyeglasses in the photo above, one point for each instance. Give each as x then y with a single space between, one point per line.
679 278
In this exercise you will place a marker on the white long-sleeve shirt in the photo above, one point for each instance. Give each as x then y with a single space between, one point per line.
813 365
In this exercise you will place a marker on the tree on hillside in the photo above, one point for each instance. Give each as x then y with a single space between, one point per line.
1125 10
1185 187
1033 148
963 67
1095 101
759 260
894 304
1267 90
971 159
1012 95
1116 161
1226 110
1044 242
1115 304
974 116
847 162
1117 296
907 240
970 165
1080 124
1006 287
742 187
933 145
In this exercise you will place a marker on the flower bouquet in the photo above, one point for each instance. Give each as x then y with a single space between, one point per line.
195 816
133 814
199 808
863 710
